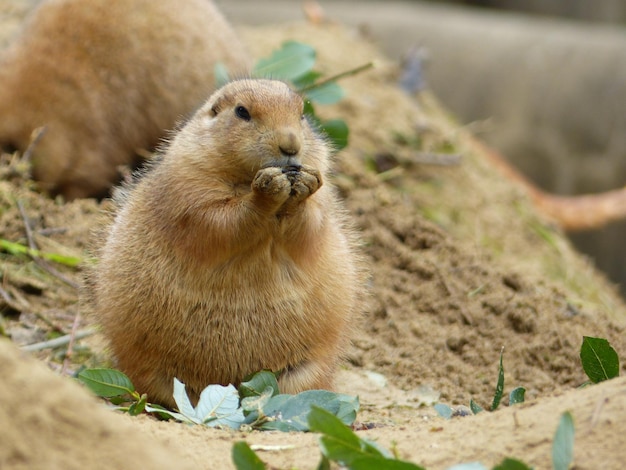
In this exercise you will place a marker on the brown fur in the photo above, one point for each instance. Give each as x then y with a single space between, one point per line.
106 78
226 258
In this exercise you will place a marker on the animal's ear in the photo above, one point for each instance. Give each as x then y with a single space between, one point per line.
216 106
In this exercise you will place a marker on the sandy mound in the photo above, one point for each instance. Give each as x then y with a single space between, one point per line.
461 266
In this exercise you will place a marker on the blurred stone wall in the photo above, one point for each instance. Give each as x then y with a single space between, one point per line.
607 11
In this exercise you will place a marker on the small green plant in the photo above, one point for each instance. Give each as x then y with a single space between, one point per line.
257 403
338 443
264 408
294 62
515 396
114 386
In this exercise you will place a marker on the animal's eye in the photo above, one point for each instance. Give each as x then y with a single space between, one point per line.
242 113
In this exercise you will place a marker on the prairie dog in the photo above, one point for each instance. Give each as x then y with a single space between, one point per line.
232 253
106 78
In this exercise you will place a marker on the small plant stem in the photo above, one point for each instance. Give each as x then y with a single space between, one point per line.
50 323
70 346
339 76
60 341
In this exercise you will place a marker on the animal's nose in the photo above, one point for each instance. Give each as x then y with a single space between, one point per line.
288 142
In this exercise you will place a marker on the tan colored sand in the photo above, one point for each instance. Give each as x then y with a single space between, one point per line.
461 266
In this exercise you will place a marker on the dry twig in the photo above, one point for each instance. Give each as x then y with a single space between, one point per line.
36 136
42 263
70 346
60 341
9 301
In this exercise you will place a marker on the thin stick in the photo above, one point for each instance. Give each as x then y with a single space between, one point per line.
38 134
440 159
60 341
10 301
339 76
70 346
52 231
42 263
20 304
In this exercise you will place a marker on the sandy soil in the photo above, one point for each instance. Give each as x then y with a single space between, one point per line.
461 266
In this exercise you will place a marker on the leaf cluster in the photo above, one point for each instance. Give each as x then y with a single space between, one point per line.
257 403
266 409
294 62
338 443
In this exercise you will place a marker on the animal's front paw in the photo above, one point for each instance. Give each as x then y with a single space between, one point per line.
273 183
304 182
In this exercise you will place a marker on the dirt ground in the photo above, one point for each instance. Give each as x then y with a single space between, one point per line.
461 267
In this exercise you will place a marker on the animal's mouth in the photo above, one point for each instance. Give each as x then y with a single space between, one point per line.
286 164
291 170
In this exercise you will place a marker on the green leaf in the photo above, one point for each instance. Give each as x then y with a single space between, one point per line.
309 111
324 422
378 463
106 383
258 383
475 407
563 446
517 396
328 93
443 410
257 402
221 75
340 451
599 359
164 413
324 463
138 407
468 466
340 444
118 400
217 406
348 406
306 80
337 131
511 464
245 458
499 386
292 61
292 413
